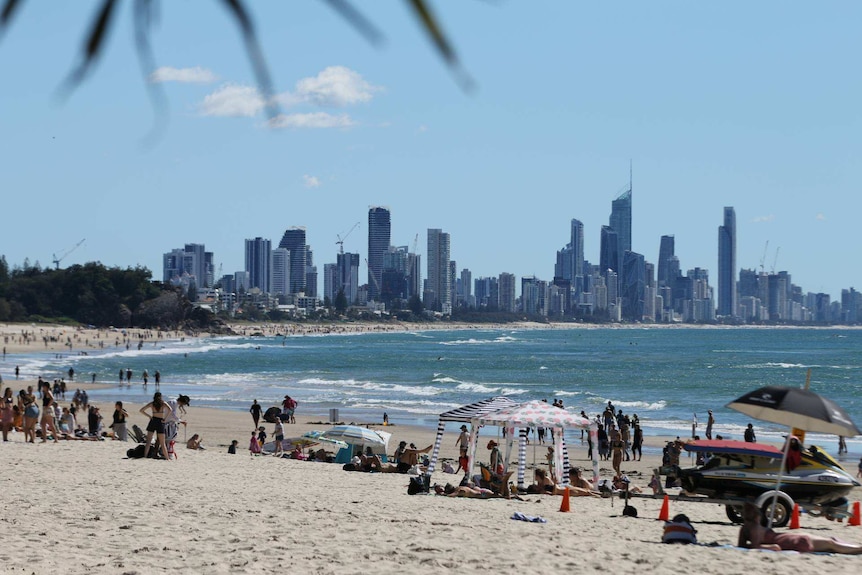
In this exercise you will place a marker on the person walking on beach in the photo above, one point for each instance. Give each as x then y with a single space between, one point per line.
158 411
158 377
709 423
842 445
255 412
637 442
617 447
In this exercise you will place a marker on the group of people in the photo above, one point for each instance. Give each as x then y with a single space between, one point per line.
165 416
39 414
127 374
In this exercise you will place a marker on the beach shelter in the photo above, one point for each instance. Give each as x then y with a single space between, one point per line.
535 414
358 439
466 414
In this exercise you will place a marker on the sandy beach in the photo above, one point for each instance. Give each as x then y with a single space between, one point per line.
83 507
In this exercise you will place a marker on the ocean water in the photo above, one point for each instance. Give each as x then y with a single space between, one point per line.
666 376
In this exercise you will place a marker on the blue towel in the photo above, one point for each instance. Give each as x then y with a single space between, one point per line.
517 515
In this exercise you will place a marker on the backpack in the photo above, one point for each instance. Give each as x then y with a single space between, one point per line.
419 484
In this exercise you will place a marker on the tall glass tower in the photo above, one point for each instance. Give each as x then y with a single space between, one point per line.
621 222
665 253
379 228
727 264
293 241
577 243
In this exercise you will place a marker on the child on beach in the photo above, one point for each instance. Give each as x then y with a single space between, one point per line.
253 445
261 437
232 448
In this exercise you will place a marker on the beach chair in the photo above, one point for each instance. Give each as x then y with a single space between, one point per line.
137 435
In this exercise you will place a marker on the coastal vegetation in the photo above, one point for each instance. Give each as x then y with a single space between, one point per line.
92 294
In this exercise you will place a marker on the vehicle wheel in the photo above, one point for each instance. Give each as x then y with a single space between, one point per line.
782 512
733 513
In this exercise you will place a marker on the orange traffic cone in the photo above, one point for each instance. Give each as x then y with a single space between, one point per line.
855 519
664 514
564 506
794 519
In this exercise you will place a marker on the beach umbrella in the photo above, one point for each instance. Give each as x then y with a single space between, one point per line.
795 408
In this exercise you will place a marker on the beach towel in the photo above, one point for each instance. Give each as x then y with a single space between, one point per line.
518 516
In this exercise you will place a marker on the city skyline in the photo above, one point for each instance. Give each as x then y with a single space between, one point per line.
767 123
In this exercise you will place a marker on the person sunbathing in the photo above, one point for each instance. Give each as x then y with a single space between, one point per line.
473 491
754 535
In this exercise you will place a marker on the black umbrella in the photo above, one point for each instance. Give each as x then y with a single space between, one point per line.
794 407
798 408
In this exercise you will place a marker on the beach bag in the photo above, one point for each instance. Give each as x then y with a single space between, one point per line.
418 484
679 530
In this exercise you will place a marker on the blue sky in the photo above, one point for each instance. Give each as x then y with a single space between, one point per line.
751 105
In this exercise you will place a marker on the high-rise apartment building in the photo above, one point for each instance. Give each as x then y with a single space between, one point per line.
193 262
379 230
279 270
633 286
347 276
258 256
609 251
577 245
727 295
506 291
438 286
293 241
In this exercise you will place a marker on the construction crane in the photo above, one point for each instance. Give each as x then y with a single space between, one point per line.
763 257
775 260
63 255
341 238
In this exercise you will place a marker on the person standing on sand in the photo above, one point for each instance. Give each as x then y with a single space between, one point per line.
278 432
159 410
255 412
709 423
28 406
119 422
463 442
749 434
617 447
47 420
175 416
638 442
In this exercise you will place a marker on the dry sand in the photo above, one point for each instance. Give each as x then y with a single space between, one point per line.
83 507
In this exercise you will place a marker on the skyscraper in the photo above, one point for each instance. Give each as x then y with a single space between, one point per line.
347 276
577 244
257 261
609 252
439 283
621 222
665 253
293 241
379 228
727 264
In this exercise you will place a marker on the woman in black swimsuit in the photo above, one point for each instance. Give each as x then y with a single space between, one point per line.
159 410
48 412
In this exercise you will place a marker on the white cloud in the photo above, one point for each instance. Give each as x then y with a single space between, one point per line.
820 217
312 120
310 181
233 100
196 75
335 86
760 219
